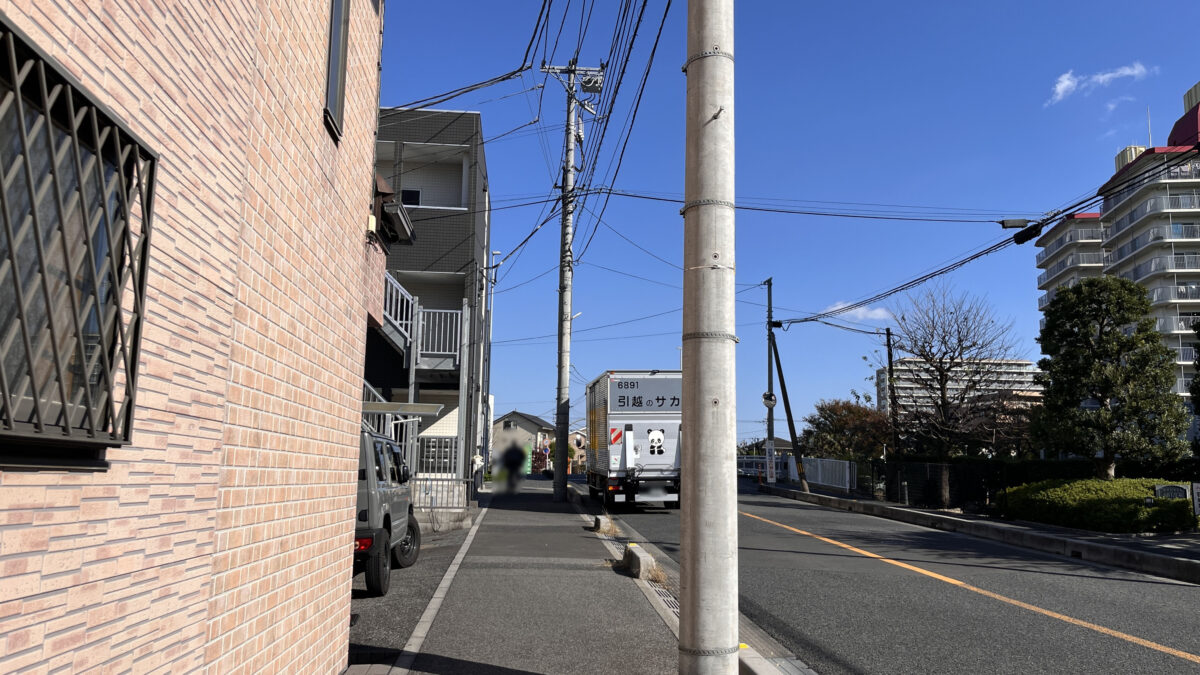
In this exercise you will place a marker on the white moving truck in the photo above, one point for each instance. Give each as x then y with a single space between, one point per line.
633 419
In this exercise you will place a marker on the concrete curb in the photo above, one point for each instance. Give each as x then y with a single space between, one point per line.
638 561
750 661
1180 569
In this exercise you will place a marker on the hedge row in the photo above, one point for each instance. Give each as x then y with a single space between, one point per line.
1099 505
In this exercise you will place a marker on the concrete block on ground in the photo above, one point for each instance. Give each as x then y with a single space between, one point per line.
639 563
601 524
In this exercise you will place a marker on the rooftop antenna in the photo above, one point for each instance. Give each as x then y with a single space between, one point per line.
1149 135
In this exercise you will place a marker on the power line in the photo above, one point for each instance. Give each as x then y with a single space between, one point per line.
808 212
1008 241
525 65
593 328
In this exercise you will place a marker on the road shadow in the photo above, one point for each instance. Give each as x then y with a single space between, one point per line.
444 665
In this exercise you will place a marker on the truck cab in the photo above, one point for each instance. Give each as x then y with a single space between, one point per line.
385 531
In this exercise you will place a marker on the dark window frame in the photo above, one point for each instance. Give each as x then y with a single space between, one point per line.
410 191
335 73
74 180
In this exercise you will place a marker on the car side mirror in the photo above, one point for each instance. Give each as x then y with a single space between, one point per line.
405 474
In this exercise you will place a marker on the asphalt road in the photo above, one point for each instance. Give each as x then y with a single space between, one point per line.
385 623
878 596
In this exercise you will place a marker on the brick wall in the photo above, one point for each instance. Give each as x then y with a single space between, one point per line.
219 539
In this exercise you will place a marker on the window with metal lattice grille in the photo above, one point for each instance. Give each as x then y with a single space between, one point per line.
75 211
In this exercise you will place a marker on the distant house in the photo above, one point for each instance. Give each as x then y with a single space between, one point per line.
530 432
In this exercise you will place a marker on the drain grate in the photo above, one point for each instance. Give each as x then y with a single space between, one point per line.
666 596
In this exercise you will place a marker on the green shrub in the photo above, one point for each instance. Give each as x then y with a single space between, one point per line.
1099 505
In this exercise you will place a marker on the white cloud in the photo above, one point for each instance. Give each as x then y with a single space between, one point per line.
1068 83
1065 86
1112 105
862 313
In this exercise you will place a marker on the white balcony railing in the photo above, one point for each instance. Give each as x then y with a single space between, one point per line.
1182 385
1072 260
1166 263
1170 232
440 331
1152 205
1186 171
1186 292
398 306
1086 234
1185 355
1175 324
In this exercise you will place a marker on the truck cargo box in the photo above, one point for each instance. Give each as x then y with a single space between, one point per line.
633 435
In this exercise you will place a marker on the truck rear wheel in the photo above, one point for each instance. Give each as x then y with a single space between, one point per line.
593 493
379 566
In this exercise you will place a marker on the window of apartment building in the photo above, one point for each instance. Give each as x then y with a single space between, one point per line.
335 78
75 214
410 197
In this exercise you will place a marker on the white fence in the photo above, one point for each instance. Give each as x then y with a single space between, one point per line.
834 473
440 331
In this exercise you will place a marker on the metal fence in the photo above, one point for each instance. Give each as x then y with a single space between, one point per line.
835 473
440 331
439 481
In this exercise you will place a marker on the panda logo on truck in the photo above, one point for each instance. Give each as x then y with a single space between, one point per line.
657 437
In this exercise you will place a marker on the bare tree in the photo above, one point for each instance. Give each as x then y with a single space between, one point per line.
957 362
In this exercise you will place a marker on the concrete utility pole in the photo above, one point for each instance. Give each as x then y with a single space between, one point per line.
708 621
769 397
591 80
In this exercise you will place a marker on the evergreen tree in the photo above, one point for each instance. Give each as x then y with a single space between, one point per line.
1108 387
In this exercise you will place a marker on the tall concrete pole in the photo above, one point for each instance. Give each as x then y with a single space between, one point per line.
708 622
769 398
566 273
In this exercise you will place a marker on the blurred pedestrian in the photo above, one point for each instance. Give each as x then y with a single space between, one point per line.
513 460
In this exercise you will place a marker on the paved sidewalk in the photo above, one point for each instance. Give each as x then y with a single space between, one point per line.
534 591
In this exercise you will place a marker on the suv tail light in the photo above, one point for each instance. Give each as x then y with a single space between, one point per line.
363 543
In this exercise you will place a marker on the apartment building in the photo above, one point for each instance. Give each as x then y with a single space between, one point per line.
1070 251
977 380
1147 231
434 162
188 267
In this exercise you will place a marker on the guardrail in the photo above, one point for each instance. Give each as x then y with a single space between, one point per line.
440 331
398 306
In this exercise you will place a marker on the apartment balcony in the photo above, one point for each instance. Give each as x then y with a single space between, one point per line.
1186 171
1072 261
1187 262
1182 384
1156 204
1170 232
1185 355
436 332
1160 295
440 333
1175 324
1071 237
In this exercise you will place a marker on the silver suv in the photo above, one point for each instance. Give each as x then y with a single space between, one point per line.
385 531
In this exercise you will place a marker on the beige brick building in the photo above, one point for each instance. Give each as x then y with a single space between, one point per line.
207 525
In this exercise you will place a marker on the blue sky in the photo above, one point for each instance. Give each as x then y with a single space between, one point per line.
984 109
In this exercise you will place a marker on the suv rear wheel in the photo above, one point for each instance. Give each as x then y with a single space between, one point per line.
409 547
379 566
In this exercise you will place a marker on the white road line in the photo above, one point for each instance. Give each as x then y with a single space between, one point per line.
413 647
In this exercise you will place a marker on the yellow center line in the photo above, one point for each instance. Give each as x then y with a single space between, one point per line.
995 596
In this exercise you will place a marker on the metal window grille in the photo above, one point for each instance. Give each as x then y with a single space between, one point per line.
76 197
